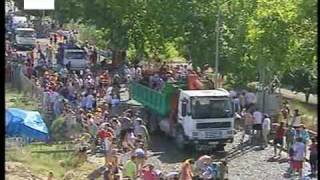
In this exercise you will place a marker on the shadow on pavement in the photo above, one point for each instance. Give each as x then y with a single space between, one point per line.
167 150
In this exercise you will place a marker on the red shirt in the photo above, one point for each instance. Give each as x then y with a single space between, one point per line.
280 133
149 175
102 134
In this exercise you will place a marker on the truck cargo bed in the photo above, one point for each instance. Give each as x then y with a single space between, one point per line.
159 102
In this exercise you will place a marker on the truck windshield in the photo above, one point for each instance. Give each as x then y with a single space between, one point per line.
75 55
25 33
204 108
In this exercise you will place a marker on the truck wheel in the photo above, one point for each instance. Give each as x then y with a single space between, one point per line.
152 124
179 139
220 147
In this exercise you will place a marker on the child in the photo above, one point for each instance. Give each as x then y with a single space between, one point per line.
50 176
290 161
313 156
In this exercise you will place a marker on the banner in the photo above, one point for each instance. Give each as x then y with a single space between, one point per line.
38 5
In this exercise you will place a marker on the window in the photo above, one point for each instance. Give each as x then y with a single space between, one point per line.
204 107
75 55
25 33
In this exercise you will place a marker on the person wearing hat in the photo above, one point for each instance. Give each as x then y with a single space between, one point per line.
202 162
50 176
140 128
148 172
130 168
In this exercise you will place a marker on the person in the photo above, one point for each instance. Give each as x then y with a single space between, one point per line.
266 127
130 137
298 156
148 172
140 157
248 122
280 131
115 105
186 170
290 134
285 111
140 128
50 176
206 173
242 100
130 168
236 103
305 136
313 156
296 119
250 99
257 124
223 169
202 161
55 38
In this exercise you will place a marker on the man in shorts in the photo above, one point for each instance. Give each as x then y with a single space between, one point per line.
298 156
257 124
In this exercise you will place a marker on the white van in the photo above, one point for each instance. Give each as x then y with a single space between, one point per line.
24 37
76 58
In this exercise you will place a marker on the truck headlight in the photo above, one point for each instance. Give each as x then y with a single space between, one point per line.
230 132
195 134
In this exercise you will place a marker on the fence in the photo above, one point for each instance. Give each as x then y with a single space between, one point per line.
17 80
15 143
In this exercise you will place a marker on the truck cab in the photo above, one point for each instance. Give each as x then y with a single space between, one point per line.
24 37
73 56
205 118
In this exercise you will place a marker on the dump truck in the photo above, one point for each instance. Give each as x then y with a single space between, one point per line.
199 119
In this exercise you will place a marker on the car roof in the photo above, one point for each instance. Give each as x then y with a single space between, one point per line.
25 29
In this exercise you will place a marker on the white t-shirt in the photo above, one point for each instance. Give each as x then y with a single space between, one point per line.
257 116
296 121
250 98
266 124
298 149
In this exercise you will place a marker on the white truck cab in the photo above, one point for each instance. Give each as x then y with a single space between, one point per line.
76 58
205 119
24 37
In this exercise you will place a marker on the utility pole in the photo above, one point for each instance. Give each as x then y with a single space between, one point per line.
217 41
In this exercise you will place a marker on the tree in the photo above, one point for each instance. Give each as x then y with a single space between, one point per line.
259 38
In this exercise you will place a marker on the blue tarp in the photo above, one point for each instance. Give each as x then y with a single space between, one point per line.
26 124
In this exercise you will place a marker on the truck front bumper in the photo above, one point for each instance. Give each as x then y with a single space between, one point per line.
26 46
209 144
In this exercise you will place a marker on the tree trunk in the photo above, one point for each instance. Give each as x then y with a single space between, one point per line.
118 58
307 97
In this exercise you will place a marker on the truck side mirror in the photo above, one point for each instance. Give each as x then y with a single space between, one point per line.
184 109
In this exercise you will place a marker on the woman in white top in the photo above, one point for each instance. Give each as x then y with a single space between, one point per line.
296 119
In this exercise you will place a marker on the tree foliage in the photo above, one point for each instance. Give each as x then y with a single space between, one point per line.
258 37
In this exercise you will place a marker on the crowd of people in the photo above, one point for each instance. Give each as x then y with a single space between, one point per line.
121 135
290 133
94 99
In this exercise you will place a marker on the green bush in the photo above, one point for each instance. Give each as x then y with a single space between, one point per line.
58 128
